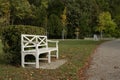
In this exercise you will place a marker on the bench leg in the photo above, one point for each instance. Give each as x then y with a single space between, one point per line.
49 57
37 61
57 54
22 60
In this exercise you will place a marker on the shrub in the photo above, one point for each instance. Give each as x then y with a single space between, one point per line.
11 39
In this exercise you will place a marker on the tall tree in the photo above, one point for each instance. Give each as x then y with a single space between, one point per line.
64 22
103 5
20 9
82 14
55 9
73 17
54 26
115 11
4 12
105 23
37 3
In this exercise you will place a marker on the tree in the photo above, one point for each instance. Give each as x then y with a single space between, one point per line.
54 26
73 17
64 22
55 9
36 3
115 11
104 5
105 23
20 9
4 12
44 5
41 14
81 14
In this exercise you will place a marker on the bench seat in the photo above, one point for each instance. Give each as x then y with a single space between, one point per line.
43 50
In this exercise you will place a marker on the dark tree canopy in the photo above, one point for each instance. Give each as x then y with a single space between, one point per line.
80 14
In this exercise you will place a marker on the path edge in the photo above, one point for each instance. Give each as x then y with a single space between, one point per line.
82 71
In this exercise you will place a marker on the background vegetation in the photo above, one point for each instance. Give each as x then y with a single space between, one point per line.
63 18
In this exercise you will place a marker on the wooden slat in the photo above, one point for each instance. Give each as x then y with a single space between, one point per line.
43 58
29 63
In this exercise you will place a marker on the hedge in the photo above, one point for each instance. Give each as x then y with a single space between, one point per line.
11 40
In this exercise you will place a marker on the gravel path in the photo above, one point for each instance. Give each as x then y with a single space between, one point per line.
106 62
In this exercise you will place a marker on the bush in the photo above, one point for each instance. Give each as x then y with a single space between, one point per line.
1 27
11 39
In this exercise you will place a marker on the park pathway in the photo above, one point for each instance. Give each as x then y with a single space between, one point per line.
106 62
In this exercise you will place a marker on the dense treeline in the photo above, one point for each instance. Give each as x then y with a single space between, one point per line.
64 18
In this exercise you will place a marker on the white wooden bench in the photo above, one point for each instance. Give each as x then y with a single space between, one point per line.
36 45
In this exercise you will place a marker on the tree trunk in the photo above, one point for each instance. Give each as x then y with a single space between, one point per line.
63 34
101 34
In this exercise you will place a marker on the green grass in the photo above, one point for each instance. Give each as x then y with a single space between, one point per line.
76 52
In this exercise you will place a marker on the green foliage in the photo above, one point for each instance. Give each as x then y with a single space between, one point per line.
104 5
11 39
39 8
4 12
40 17
80 13
54 26
20 9
116 33
105 23
64 22
64 17
115 11
55 7
35 2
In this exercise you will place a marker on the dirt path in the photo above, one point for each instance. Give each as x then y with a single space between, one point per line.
106 62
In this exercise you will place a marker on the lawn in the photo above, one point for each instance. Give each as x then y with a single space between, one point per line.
76 52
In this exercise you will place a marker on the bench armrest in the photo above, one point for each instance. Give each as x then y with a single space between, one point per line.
52 41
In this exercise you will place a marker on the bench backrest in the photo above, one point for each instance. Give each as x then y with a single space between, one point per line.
33 41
